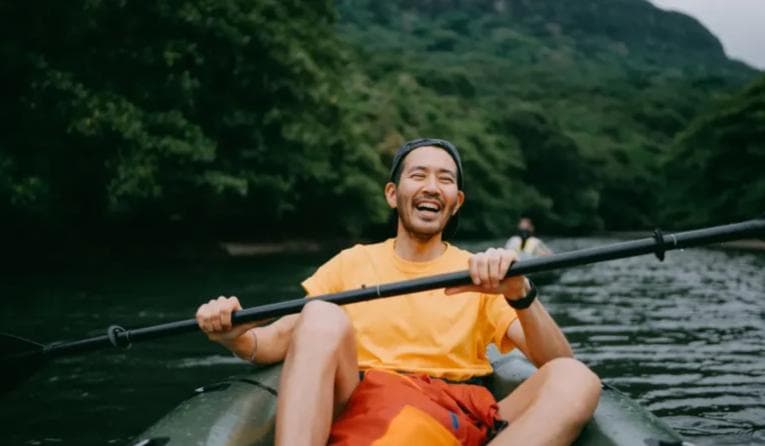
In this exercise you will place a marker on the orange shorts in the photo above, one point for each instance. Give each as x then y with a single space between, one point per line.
389 408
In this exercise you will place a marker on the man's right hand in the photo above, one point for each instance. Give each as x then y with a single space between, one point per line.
214 319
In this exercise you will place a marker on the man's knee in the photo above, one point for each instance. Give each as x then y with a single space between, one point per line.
573 370
574 383
323 325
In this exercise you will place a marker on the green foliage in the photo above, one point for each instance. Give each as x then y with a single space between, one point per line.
554 164
269 119
587 104
714 170
173 114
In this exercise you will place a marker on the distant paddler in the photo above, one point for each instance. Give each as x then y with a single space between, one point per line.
525 243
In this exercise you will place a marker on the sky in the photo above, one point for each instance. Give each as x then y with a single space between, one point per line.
739 24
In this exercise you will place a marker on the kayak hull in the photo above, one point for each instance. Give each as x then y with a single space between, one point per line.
241 411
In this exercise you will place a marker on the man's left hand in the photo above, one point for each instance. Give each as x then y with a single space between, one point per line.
488 269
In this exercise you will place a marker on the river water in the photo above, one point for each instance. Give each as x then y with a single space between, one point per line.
685 338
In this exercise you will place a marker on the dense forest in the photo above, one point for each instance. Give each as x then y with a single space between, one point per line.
268 119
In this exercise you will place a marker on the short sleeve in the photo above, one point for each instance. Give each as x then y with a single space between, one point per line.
499 315
327 279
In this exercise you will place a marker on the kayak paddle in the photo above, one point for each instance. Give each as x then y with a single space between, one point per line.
21 357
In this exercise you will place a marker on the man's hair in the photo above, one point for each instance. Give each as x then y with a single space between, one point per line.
397 165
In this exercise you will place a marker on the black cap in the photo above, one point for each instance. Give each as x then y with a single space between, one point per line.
404 150
451 149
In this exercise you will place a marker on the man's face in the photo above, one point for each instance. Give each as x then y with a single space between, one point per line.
427 194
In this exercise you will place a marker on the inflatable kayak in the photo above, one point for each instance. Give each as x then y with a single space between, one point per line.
241 411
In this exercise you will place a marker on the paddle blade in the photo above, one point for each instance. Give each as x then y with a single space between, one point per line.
19 359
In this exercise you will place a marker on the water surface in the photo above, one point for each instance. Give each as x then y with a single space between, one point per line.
685 338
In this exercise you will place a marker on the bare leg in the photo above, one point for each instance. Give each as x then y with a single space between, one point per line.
320 372
551 407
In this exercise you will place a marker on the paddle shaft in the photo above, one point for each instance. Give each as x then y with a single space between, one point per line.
657 244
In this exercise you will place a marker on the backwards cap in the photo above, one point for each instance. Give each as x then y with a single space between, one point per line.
403 151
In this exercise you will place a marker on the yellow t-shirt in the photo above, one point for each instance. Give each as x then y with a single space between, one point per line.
429 332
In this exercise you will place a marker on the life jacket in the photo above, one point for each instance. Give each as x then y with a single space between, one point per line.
517 243
389 408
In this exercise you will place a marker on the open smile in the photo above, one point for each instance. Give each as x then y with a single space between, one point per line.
428 206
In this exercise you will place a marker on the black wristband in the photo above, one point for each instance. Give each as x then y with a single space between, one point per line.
525 301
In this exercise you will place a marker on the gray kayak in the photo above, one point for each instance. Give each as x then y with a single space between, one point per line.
241 410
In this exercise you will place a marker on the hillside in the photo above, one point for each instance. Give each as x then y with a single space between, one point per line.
611 81
715 168
192 121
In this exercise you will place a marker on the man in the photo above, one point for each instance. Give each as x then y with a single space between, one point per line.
441 333
525 242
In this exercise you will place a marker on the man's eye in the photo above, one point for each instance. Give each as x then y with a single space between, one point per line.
418 176
447 180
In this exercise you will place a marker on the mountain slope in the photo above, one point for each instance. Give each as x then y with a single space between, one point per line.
715 168
617 78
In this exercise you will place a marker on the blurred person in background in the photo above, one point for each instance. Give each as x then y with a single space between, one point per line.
525 243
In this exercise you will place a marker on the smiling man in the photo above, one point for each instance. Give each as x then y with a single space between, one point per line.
420 355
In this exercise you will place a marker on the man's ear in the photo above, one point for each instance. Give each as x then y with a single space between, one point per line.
390 194
460 200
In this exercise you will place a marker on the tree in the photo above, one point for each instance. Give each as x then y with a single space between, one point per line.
714 171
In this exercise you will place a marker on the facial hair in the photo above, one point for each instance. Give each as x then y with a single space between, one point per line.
413 231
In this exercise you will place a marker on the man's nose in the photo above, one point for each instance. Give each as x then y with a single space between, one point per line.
431 184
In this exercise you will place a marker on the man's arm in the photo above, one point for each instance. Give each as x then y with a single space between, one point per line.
268 344
537 335
262 345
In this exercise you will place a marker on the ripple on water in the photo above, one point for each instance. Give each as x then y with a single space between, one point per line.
685 337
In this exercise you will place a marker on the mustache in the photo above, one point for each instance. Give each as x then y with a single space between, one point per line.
430 196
